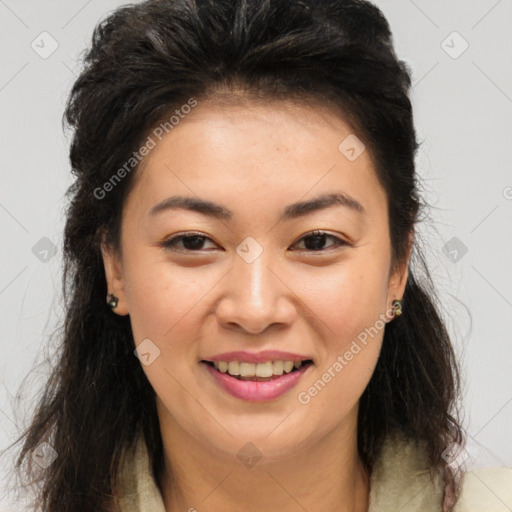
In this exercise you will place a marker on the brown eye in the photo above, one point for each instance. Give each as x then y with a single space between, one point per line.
191 242
316 240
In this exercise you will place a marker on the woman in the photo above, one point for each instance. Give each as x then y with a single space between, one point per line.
244 329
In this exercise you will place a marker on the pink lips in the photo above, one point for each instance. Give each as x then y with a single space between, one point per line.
256 391
259 357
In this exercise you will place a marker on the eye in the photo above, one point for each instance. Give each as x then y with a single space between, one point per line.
317 240
192 242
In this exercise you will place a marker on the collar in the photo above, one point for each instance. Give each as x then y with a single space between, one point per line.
400 480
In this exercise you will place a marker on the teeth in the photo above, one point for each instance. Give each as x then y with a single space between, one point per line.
267 369
288 366
264 369
234 368
247 369
277 367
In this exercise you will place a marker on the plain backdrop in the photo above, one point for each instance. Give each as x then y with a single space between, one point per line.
460 53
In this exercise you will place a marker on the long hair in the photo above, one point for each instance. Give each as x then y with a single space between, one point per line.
145 61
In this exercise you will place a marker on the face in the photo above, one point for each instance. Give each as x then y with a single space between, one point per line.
246 278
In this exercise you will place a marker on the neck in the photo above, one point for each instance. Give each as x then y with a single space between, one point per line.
327 475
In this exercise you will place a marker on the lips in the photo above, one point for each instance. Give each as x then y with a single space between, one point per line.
257 371
254 377
258 357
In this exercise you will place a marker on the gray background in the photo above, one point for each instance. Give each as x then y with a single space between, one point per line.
463 107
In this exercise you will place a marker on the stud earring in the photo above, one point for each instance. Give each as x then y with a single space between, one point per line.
397 307
112 300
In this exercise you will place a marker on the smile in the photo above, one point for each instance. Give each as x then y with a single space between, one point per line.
257 371
257 382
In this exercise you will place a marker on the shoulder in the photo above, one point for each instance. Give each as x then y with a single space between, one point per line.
486 489
401 481
138 489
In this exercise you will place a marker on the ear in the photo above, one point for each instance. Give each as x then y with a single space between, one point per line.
398 280
114 276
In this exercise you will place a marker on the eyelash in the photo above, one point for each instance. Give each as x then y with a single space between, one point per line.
169 244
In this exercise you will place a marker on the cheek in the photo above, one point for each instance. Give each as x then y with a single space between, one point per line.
348 299
161 296
350 307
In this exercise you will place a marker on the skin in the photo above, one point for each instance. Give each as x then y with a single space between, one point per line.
255 160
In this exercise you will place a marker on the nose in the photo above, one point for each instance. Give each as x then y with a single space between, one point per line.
256 297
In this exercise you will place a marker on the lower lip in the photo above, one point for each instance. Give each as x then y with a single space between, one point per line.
257 391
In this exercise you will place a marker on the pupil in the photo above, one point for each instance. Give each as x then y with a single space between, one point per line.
317 238
196 243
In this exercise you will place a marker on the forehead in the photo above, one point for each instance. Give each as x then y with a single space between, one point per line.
256 148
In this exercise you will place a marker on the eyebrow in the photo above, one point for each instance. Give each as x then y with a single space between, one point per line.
292 211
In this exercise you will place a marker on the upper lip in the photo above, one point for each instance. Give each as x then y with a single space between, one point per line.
258 357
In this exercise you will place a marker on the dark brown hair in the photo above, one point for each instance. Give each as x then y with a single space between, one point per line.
145 61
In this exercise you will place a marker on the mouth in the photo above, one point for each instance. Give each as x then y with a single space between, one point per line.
257 382
258 372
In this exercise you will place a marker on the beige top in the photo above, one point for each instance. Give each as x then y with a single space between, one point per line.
398 482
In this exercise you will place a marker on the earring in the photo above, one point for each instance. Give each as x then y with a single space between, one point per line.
397 307
112 300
